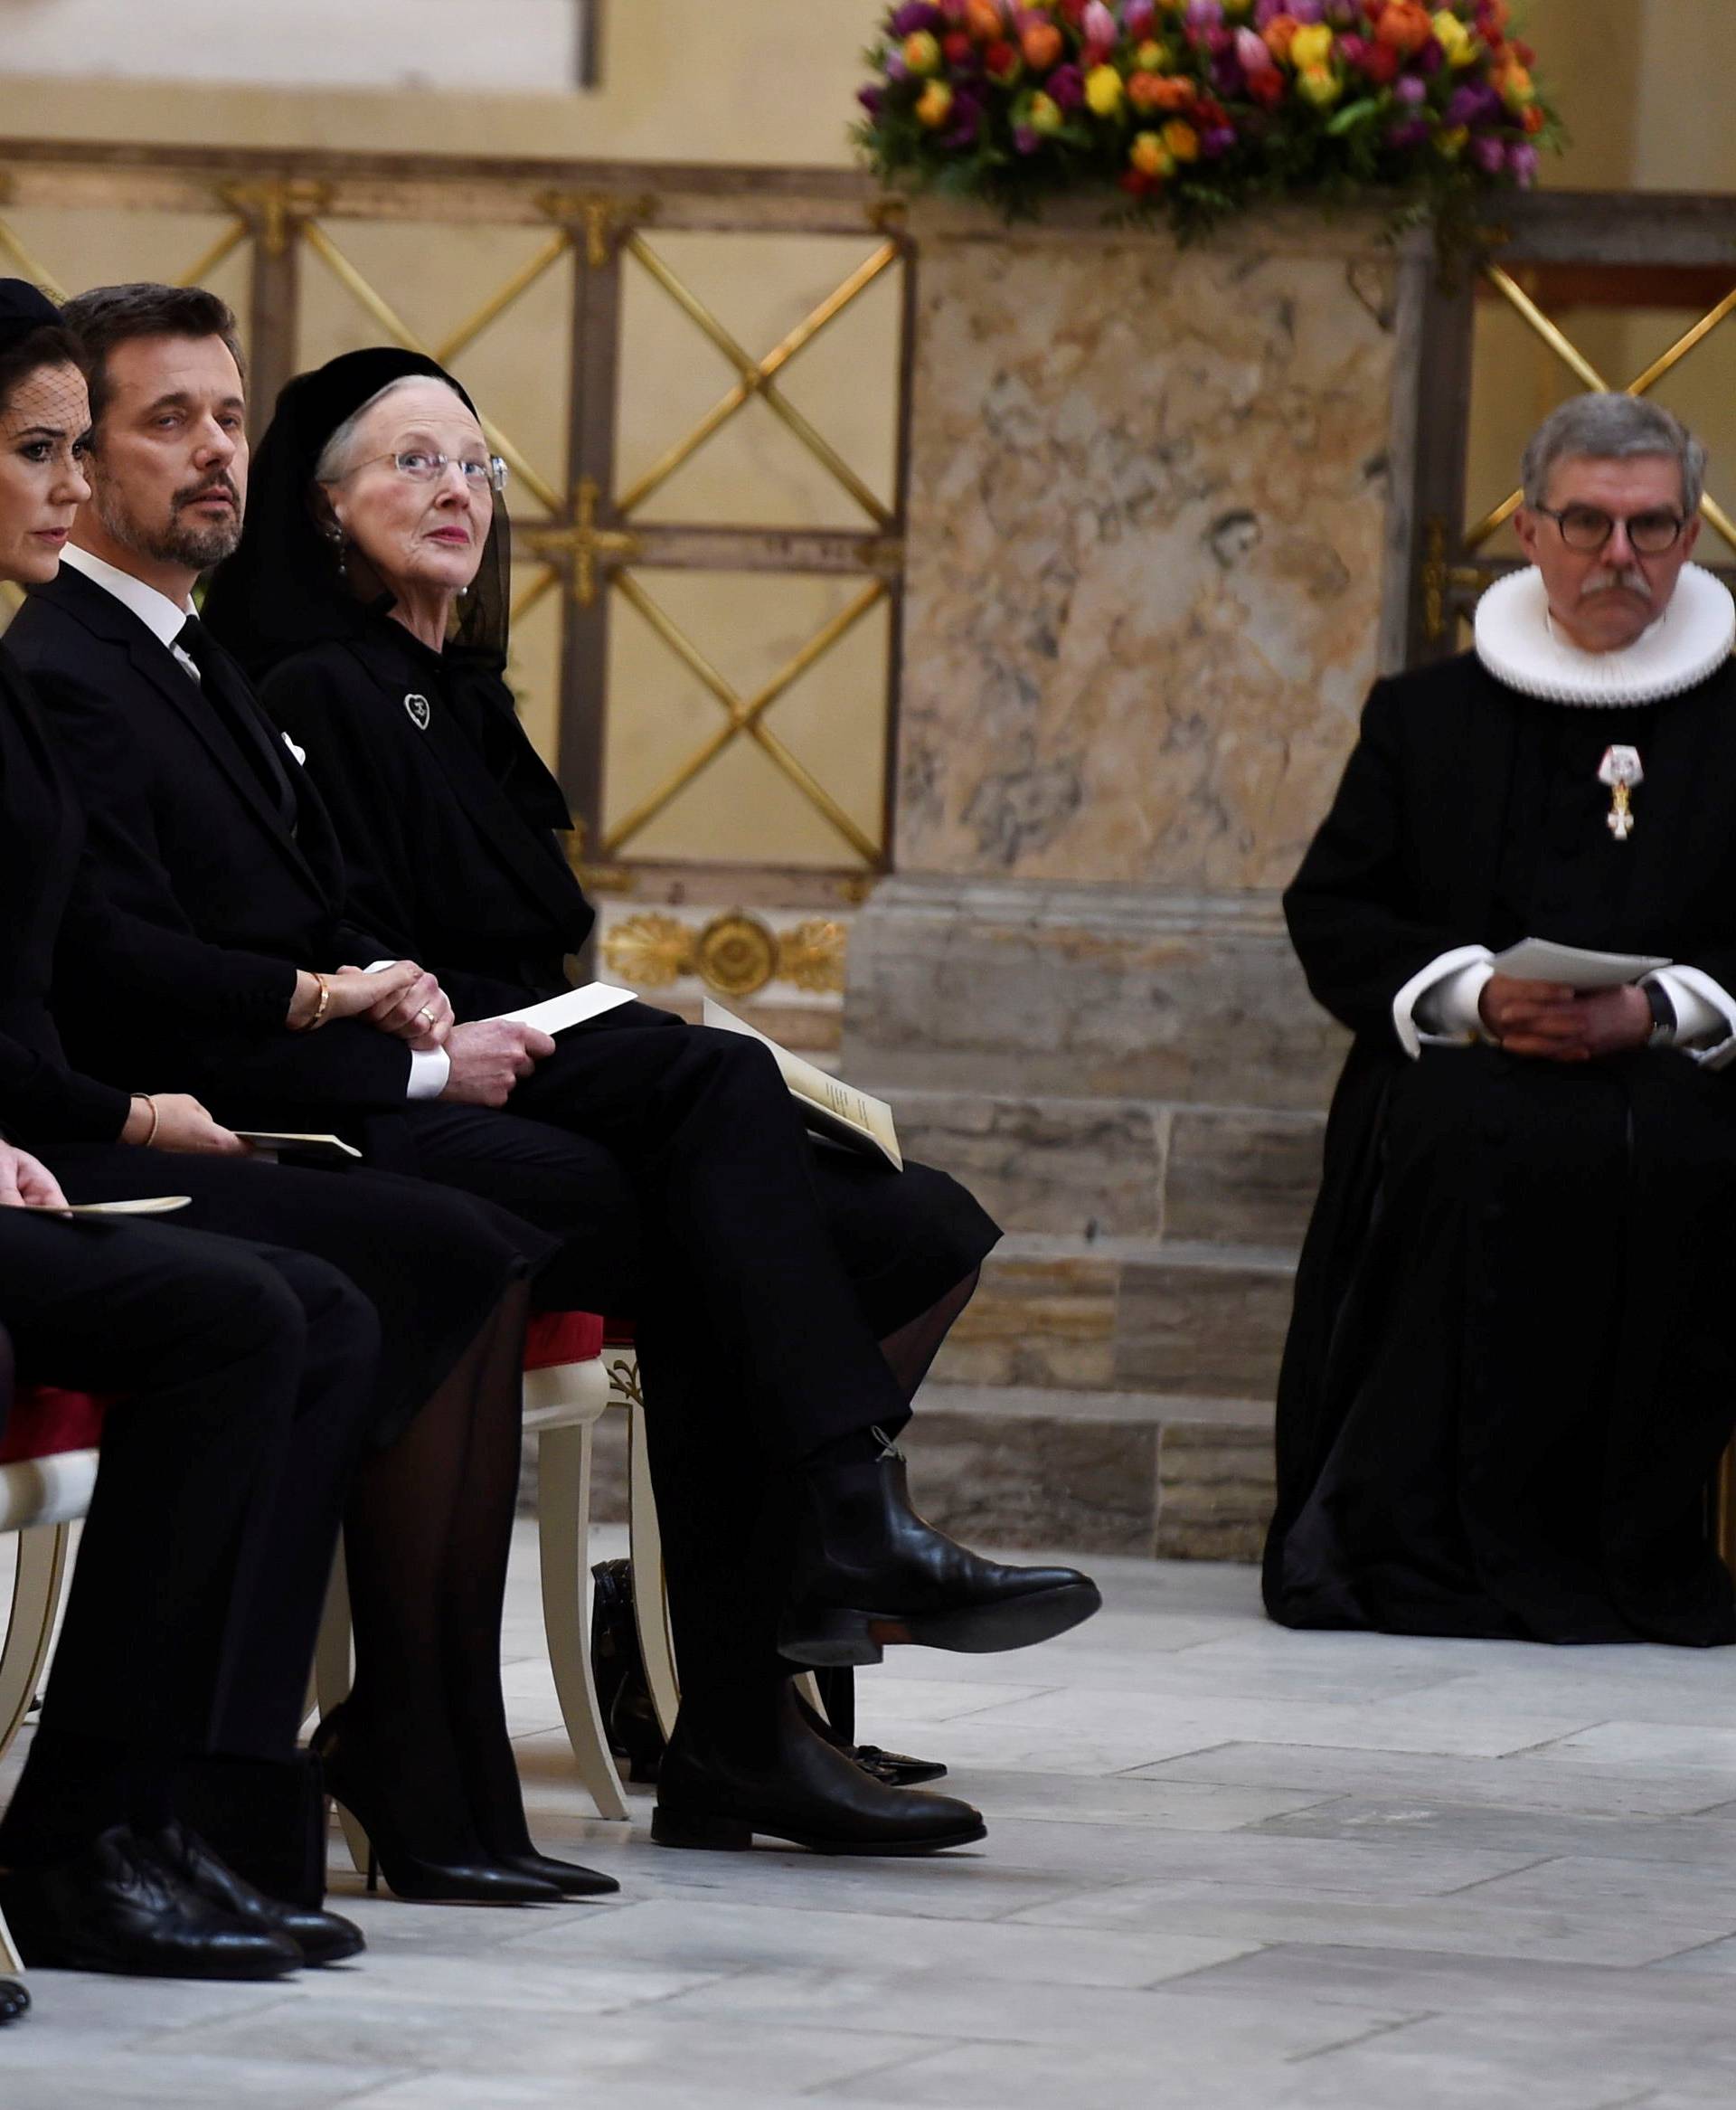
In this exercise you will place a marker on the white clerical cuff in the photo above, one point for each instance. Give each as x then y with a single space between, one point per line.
1705 1011
1437 1007
429 1067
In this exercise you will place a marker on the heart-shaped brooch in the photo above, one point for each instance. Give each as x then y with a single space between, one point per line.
418 711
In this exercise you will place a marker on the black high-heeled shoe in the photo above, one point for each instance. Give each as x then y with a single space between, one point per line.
570 1878
410 1875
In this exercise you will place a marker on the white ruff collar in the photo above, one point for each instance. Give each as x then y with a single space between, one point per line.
1520 647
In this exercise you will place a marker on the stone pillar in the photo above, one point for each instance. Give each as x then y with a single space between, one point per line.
1157 541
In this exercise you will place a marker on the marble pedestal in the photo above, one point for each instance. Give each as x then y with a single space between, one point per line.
1158 548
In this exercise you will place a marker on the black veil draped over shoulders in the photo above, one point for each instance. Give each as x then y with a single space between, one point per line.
282 592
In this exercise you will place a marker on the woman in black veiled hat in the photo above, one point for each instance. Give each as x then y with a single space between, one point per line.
369 596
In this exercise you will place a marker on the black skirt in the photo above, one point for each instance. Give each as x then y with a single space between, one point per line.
432 1262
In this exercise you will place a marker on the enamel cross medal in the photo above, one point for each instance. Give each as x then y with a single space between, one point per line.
1620 770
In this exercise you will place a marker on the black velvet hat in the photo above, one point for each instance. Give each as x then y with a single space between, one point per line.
282 591
23 309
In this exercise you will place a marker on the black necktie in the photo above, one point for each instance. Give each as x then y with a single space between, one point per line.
242 717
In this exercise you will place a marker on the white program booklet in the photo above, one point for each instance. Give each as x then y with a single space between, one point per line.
1540 959
830 1107
571 1008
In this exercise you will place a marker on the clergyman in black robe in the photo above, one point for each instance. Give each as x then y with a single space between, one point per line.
1512 1365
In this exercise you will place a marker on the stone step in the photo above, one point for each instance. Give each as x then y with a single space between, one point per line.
1123 1168
1124 1315
1148 1473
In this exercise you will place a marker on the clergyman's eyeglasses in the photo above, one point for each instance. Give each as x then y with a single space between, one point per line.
1589 528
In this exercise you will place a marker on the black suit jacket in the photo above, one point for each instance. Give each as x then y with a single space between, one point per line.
445 812
188 843
56 921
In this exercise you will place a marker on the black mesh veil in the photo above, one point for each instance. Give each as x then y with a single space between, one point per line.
282 592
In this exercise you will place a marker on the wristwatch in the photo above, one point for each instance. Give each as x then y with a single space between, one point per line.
1662 1014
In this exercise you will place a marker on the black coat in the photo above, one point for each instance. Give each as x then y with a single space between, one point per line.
1475 1206
175 811
445 811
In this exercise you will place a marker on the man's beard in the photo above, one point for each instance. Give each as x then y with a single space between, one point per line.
197 544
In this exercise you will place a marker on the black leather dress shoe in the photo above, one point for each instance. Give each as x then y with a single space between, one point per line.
119 1907
13 2000
796 1786
894 1768
322 1938
871 1572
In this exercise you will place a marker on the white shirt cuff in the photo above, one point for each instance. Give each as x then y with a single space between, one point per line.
1706 1012
429 1067
1437 1007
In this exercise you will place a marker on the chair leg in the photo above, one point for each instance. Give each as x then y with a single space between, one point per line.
564 1540
10 1960
37 1590
650 1590
332 1678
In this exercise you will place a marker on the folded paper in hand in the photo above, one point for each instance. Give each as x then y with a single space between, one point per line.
830 1107
571 1008
1540 959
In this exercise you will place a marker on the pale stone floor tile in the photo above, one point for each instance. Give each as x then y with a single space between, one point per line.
1228 1868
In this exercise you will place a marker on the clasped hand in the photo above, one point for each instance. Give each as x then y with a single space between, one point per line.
402 1000
1553 1023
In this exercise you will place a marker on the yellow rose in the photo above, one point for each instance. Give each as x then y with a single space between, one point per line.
1311 47
1182 140
1149 156
1151 57
1320 84
935 104
1103 91
922 53
1452 144
1454 38
1044 114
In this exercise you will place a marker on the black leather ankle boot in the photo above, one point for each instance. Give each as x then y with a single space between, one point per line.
721 1784
870 1572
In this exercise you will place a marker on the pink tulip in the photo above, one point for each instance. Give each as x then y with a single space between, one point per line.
1099 26
1139 17
1250 49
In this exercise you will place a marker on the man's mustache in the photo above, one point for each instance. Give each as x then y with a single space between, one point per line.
1630 579
217 486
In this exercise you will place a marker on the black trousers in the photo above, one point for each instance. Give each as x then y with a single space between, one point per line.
246 1377
760 1271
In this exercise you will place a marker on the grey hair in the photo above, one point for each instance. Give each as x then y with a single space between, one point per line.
1607 426
334 456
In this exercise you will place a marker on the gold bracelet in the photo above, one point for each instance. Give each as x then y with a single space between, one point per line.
320 1009
150 1135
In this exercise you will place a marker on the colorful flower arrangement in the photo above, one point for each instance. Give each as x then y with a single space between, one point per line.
1199 107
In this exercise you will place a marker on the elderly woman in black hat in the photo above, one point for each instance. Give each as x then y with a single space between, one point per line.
369 593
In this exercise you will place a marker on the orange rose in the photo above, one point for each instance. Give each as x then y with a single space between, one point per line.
984 20
1533 118
1142 90
1174 93
1279 33
1041 42
1405 26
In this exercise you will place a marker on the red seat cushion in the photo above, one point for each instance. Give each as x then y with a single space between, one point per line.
563 1337
617 1333
45 1421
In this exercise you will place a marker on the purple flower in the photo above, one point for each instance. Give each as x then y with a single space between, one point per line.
1217 141
1413 132
1470 104
1138 17
1205 13
1410 90
872 99
1025 140
1489 153
897 71
1431 57
1228 78
1523 164
967 117
1306 11
916 15
1268 11
1066 88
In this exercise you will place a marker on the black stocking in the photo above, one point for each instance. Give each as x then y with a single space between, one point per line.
425 1542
